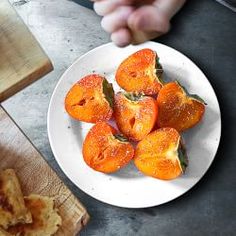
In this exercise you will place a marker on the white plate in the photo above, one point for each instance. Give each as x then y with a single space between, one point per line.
128 187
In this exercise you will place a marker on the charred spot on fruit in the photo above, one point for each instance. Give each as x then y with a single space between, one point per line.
133 74
134 96
97 159
108 92
182 157
132 122
81 102
100 157
194 96
121 137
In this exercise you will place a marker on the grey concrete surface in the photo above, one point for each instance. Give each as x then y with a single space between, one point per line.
205 31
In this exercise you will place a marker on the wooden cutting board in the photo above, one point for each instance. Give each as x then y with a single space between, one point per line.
36 176
22 60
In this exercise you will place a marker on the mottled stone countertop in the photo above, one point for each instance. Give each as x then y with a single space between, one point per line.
205 31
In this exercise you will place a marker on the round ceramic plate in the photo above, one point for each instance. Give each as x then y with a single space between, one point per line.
128 187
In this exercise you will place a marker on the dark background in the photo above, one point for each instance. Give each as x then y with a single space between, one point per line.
85 3
205 31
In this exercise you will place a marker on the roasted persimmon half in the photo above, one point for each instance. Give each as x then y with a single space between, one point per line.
135 114
140 72
161 154
90 99
177 108
105 150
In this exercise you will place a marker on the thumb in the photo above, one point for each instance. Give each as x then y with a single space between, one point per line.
149 19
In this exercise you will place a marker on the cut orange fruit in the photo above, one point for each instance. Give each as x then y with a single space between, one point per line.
135 114
177 108
105 150
140 72
90 99
161 154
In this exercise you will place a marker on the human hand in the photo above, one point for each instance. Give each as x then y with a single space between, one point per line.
136 21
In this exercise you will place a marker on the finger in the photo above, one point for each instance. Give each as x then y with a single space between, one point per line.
149 19
141 36
117 19
121 37
104 7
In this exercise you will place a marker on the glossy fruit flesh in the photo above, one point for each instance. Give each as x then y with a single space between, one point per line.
105 150
90 99
161 154
177 108
135 115
140 72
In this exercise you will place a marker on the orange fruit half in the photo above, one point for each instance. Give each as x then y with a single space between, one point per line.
140 72
161 154
177 108
135 114
90 99
105 150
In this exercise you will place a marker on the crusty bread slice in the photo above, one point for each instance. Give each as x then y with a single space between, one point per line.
46 219
4 233
12 205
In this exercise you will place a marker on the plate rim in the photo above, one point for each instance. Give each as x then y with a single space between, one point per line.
64 169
